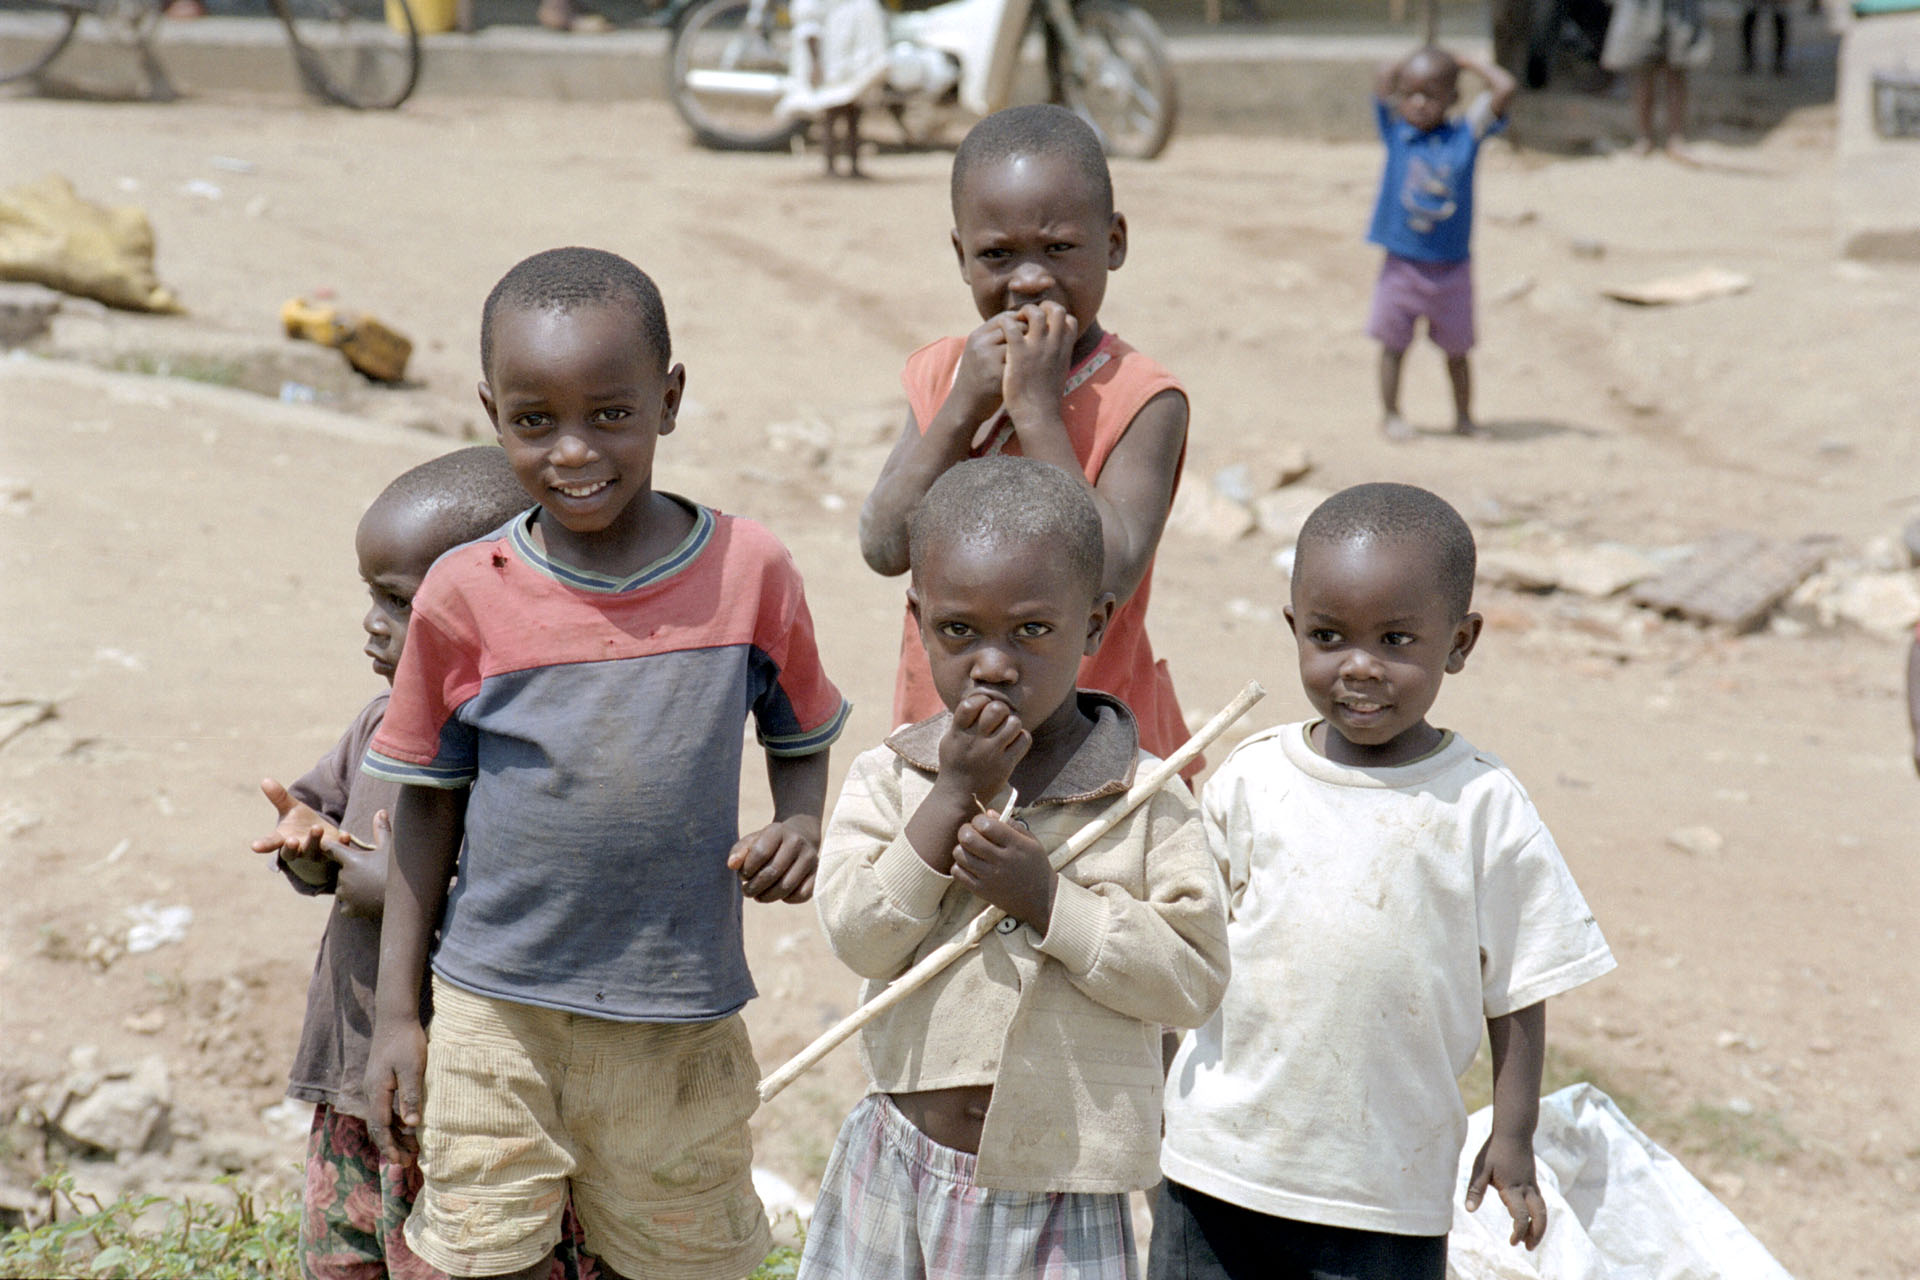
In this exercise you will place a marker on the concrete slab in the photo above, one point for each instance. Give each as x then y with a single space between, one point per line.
1876 180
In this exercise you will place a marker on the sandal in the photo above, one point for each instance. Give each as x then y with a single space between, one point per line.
581 22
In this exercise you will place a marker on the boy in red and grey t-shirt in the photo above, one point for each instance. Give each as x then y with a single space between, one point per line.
571 703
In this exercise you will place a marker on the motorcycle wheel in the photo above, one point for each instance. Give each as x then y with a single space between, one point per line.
725 74
34 31
363 54
1126 89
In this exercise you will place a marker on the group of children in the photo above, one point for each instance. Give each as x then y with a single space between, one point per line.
523 1036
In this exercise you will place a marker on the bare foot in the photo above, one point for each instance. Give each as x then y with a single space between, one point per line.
1643 146
1395 428
185 10
1466 427
560 15
1680 153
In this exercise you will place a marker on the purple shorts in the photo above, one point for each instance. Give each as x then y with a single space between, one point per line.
1440 291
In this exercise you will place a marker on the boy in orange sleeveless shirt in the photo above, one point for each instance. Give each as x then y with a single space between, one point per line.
1036 233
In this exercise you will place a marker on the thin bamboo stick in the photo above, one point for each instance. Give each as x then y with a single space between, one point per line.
1078 843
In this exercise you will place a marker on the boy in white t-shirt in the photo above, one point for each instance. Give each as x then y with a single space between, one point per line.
1390 887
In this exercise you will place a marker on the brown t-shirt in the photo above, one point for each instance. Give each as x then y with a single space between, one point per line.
332 1058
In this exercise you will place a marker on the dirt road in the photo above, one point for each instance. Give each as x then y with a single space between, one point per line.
179 574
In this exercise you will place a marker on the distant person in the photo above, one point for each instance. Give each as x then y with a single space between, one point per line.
1036 234
567 723
1656 42
332 839
566 15
1749 29
1423 218
839 57
1393 893
1014 1099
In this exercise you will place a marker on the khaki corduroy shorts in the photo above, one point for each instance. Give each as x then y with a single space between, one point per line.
645 1123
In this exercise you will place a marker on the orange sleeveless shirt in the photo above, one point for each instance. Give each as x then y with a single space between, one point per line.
1104 393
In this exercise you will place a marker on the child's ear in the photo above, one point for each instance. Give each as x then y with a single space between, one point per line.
670 394
959 253
1098 621
486 402
1466 634
1116 241
913 606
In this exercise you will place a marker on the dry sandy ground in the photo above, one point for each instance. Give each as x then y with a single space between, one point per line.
180 576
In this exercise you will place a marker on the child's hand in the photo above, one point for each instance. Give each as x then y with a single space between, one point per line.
976 383
362 883
1039 354
777 862
1001 862
302 831
1508 1165
982 746
396 1067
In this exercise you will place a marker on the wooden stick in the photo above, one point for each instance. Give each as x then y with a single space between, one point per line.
1078 843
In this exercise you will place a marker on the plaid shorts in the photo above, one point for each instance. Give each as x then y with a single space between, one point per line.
896 1205
355 1203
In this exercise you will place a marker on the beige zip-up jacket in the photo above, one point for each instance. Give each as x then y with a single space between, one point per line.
1065 1027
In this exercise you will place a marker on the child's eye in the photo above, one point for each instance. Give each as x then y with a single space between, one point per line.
614 413
1061 247
1324 635
532 421
1398 639
954 630
1034 630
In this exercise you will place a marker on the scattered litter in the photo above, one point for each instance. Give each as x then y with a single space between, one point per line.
288 1118
154 926
1694 286
17 715
201 189
376 350
1586 248
780 1196
256 206
1701 841
1617 1205
148 1022
1514 292
120 658
116 853
297 393
833 502
1732 579
232 164
1745 1041
50 236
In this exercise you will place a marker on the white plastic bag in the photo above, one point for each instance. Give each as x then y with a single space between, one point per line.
1618 1207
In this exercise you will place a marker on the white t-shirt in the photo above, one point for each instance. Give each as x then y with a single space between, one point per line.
1379 916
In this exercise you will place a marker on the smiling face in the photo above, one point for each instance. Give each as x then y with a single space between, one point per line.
1030 230
396 545
1007 623
579 399
1376 636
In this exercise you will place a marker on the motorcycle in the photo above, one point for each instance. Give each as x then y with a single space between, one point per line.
732 62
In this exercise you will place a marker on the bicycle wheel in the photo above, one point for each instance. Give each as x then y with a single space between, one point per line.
1124 84
32 34
726 70
356 53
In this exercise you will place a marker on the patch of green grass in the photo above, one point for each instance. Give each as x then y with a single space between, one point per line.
1562 1069
782 1264
221 373
91 1240
1756 1137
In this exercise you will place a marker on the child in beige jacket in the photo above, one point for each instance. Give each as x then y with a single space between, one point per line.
1015 1098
